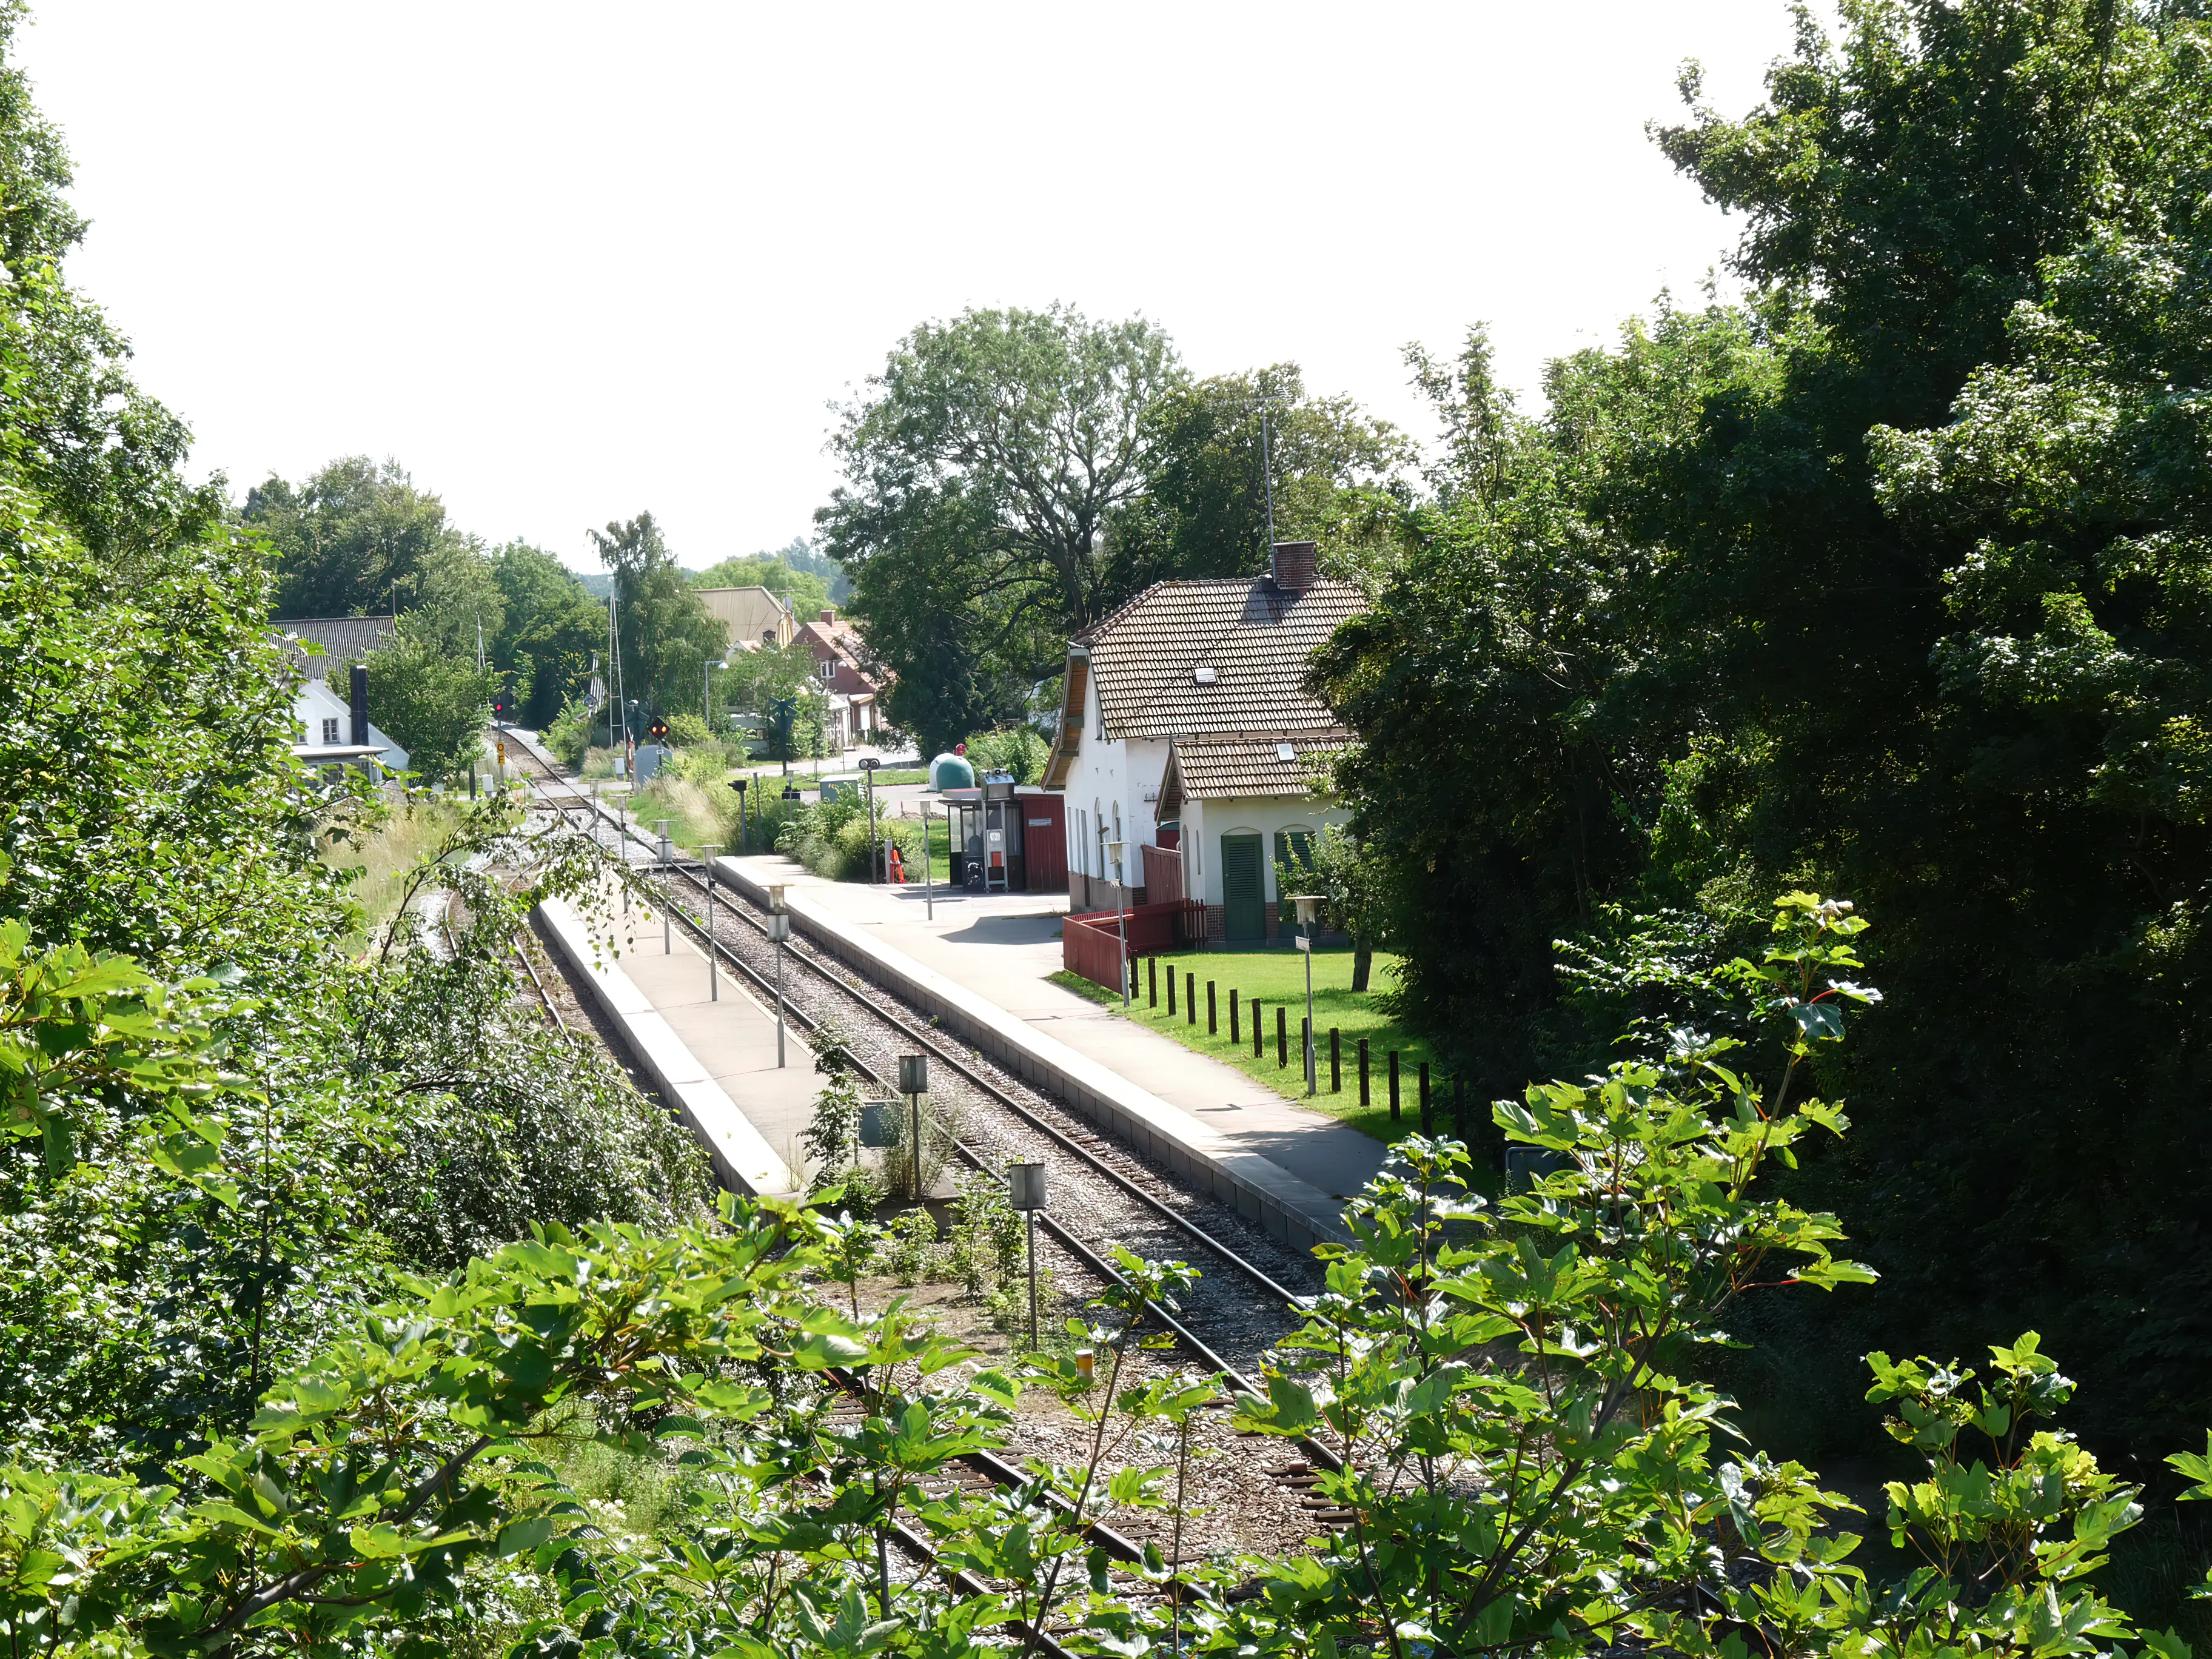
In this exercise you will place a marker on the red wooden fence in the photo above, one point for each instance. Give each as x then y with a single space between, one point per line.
1163 874
1091 943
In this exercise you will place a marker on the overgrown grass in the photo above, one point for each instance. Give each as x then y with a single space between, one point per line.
413 830
1277 978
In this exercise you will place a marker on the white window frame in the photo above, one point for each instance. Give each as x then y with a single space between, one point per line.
329 730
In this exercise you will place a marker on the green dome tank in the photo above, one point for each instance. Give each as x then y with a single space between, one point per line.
951 772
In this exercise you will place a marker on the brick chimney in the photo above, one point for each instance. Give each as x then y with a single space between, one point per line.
357 704
1294 566
829 618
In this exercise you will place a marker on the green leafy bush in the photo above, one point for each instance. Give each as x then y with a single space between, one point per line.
687 730
570 733
1017 750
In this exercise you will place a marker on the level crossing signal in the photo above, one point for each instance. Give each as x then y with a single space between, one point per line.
656 729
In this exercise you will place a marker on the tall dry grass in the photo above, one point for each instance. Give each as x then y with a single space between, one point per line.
698 816
388 853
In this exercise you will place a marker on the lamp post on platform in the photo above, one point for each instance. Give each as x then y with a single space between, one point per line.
1309 912
713 968
779 933
667 887
1115 850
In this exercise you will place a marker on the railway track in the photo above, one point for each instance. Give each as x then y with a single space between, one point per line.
1103 1193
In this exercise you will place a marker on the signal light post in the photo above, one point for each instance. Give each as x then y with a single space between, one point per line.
868 766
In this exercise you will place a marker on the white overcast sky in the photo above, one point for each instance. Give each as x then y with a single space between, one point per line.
569 262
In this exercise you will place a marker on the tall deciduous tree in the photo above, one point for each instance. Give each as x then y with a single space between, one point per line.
355 537
667 633
1037 418
548 627
1885 581
1222 450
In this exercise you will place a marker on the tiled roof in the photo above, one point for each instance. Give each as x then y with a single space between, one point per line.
1244 765
1255 637
344 639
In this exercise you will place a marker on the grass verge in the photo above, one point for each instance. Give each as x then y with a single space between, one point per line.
1277 979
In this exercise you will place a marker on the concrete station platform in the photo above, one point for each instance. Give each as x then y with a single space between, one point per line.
997 953
711 1057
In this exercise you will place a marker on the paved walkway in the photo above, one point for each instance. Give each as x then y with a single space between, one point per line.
1005 948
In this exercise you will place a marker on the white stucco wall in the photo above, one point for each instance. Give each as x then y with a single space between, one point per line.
1205 822
1110 772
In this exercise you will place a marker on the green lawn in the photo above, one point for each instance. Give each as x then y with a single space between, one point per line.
1277 978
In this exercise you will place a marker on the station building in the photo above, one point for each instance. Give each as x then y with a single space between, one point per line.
1187 735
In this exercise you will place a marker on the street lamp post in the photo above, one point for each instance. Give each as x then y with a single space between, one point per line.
914 1084
1025 1192
779 933
714 972
706 693
1115 849
667 887
1309 912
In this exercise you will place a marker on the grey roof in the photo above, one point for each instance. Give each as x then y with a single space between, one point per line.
1244 765
344 639
1255 637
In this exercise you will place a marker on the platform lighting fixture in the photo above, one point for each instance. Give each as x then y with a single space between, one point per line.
667 888
1115 849
868 765
1025 1192
1308 913
914 1084
779 934
706 693
1203 674
713 970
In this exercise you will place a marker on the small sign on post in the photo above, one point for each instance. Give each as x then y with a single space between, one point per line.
1025 1192
914 1084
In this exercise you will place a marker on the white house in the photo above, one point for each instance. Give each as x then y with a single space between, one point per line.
325 717
1184 660
326 735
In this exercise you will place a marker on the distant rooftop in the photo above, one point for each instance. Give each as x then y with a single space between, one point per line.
344 639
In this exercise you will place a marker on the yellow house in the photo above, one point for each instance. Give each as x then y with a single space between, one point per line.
749 615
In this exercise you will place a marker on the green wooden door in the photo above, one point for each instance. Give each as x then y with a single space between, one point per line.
1243 891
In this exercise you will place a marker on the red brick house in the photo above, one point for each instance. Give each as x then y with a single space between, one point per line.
839 653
